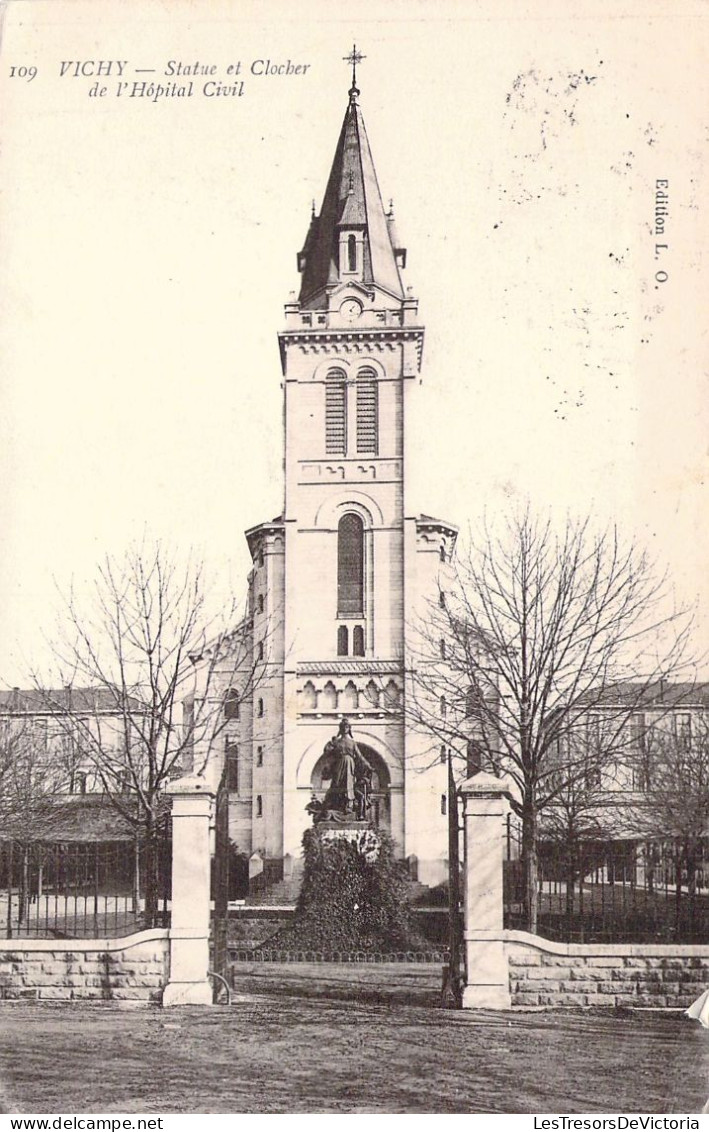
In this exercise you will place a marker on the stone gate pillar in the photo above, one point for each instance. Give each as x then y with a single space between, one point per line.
192 800
486 801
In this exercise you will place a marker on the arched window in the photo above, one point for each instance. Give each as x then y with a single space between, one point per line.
231 704
367 412
372 693
259 756
358 641
310 696
342 641
336 412
391 695
349 699
350 565
259 710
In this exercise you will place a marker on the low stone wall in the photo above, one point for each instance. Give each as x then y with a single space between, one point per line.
543 973
133 968
250 928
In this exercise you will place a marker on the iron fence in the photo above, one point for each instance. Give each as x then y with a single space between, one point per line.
79 890
622 891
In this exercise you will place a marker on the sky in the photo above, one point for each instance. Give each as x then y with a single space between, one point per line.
148 247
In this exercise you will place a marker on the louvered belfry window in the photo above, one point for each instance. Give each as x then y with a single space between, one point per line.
367 412
336 413
350 565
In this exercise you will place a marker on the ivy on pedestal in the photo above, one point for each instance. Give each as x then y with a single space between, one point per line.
353 896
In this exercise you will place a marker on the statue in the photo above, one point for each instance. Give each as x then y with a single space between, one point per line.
350 774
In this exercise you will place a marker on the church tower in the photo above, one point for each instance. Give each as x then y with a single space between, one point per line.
339 577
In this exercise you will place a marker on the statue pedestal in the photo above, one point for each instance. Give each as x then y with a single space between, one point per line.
345 825
361 834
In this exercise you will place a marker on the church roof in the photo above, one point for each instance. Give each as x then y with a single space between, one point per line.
352 201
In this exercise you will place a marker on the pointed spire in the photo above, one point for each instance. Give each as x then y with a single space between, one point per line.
352 205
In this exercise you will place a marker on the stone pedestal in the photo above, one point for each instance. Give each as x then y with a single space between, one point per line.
361 834
192 800
486 801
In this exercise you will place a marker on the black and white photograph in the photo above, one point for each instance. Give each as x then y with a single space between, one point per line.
354 585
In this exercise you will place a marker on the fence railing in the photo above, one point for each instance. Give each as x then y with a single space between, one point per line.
628 891
84 889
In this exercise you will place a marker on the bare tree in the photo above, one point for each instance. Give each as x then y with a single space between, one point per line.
520 661
671 763
33 772
31 775
135 641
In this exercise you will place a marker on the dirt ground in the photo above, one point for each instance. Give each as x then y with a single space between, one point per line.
297 1041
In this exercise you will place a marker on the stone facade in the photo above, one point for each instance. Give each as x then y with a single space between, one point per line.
549 974
132 969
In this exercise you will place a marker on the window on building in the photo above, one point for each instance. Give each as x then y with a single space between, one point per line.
472 701
443 753
351 253
367 412
336 413
260 603
259 806
350 565
78 782
343 647
442 599
231 704
259 709
259 756
442 647
444 707
473 757
593 734
358 641
641 753
593 756
260 650
232 766
684 731
444 804
442 553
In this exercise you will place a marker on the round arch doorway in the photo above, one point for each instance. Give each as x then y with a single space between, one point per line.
381 780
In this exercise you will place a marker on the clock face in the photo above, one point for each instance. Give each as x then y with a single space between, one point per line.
351 309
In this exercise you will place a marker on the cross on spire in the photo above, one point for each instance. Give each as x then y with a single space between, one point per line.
354 58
